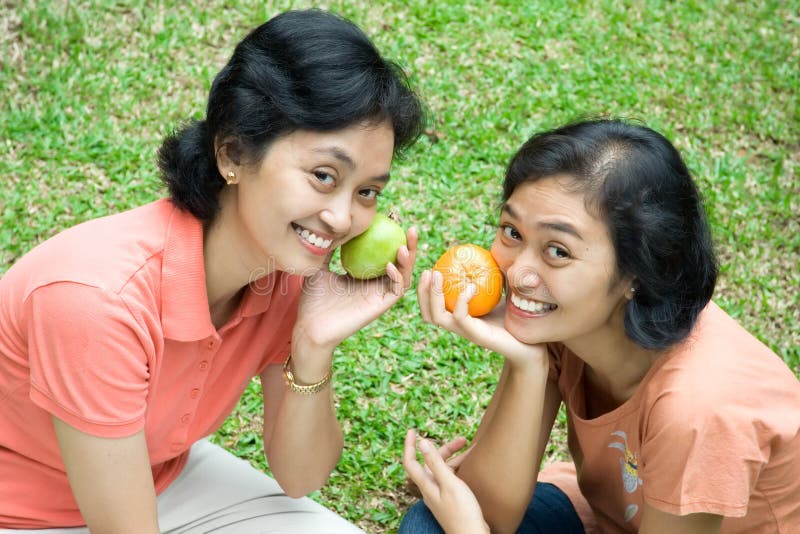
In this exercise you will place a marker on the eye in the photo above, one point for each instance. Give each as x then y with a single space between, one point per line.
557 253
324 178
510 232
370 193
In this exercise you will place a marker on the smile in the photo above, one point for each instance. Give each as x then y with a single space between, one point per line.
311 238
531 306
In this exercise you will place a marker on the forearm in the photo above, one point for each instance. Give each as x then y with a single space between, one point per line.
304 440
111 480
502 467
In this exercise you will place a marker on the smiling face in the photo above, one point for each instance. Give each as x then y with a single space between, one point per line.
311 192
559 264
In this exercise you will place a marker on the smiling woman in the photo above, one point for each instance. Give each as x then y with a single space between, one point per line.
116 362
679 419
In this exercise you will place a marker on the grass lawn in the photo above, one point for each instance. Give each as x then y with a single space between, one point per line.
89 88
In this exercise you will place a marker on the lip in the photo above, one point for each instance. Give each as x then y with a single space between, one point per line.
314 249
512 308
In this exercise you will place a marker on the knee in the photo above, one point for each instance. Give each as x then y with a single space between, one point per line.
419 520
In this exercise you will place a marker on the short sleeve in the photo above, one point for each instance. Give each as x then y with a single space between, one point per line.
88 358
700 453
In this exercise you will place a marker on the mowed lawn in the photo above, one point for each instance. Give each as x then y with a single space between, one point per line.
89 88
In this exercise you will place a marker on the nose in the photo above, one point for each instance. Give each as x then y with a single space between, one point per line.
337 215
523 274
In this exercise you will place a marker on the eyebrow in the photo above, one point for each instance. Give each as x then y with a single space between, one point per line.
342 156
557 226
337 153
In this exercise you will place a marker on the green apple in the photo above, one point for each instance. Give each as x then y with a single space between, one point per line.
366 255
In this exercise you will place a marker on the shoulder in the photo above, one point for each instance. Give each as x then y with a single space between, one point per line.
720 375
103 252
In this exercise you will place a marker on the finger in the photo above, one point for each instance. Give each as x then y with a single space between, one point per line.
406 254
451 447
413 468
405 264
439 313
410 447
424 296
412 238
398 282
433 461
461 311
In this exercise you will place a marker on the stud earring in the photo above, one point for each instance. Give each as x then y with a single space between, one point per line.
231 178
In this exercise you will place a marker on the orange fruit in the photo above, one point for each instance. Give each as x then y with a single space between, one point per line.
464 264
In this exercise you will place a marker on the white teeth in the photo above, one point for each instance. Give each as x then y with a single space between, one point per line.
313 238
531 305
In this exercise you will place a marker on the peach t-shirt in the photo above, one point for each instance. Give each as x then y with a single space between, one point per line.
106 326
714 427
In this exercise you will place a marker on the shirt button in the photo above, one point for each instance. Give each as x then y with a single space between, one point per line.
195 393
211 344
203 365
185 418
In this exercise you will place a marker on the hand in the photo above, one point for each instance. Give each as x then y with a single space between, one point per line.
487 331
447 496
335 306
446 453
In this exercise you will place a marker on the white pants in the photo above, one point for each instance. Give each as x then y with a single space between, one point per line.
218 492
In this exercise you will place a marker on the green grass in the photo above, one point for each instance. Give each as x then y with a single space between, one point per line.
90 88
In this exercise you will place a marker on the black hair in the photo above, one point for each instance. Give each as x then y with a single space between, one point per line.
300 70
640 186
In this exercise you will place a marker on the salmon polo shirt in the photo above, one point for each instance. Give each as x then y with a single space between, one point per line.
106 326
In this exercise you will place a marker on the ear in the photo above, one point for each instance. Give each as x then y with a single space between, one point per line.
631 286
227 153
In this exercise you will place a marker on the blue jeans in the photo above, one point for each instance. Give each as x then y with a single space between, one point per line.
550 511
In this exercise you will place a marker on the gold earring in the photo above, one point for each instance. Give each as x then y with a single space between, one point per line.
231 178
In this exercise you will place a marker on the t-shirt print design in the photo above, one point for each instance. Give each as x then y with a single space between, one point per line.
629 464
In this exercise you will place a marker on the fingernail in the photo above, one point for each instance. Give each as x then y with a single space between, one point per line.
425 445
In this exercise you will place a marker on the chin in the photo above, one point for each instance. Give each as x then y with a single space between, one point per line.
522 332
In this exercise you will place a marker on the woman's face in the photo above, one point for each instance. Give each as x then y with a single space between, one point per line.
311 192
559 264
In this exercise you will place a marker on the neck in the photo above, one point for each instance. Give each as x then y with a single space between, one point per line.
615 364
228 271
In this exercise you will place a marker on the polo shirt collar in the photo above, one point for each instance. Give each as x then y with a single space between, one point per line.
184 301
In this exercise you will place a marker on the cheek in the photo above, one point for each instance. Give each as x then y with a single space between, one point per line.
501 255
362 219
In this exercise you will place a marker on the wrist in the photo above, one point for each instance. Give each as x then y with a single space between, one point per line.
296 385
309 362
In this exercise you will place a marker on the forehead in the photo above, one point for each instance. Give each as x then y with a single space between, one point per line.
553 202
362 147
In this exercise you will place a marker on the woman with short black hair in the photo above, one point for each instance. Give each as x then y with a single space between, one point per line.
117 360
678 419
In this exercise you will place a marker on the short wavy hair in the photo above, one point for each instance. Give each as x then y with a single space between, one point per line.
637 182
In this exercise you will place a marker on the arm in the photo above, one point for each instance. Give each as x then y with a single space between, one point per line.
502 464
655 521
111 480
302 438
